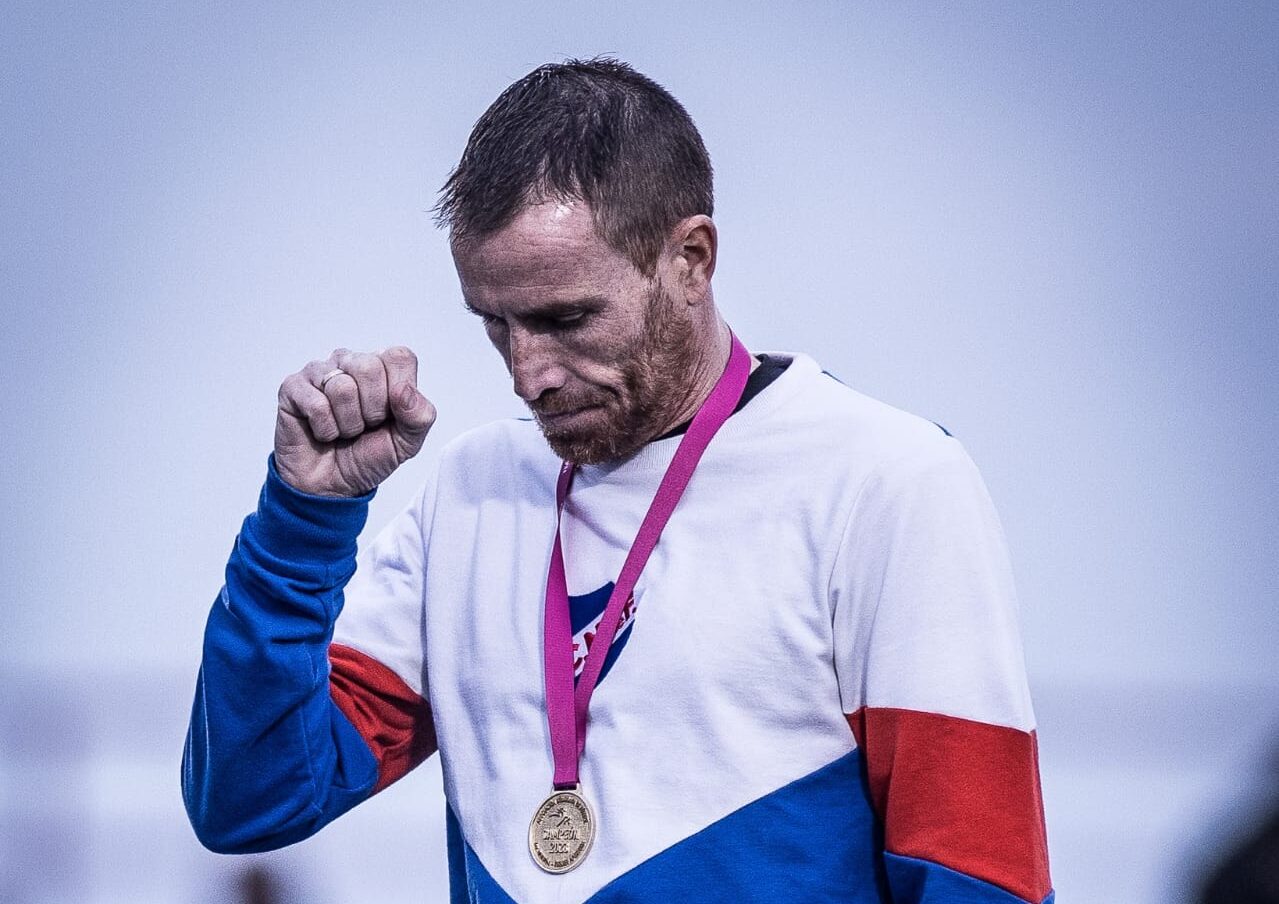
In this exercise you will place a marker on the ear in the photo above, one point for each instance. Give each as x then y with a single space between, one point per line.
692 249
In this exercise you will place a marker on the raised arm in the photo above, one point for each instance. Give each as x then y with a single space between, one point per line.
289 730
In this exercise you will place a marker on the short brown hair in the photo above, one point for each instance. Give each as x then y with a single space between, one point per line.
592 130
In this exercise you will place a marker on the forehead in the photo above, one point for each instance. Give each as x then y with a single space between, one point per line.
549 252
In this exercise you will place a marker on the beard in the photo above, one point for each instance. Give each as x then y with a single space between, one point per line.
651 392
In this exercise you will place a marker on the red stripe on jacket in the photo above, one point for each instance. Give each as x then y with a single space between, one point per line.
960 793
393 720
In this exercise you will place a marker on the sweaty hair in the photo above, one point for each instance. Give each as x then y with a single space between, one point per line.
590 130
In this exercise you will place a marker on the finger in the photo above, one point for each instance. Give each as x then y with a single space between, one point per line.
401 367
309 408
341 392
316 371
371 384
344 399
413 412
414 415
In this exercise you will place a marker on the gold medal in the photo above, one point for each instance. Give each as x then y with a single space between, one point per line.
561 832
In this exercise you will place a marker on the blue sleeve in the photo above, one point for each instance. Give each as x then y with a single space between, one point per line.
916 881
269 758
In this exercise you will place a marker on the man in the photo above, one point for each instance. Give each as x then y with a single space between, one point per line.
714 628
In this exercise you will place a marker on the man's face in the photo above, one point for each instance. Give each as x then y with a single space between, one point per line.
594 346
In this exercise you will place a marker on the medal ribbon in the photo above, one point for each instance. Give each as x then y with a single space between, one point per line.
566 704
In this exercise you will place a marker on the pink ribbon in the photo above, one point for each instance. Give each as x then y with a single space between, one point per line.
567 706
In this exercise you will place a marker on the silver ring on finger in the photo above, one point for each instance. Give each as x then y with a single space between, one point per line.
324 380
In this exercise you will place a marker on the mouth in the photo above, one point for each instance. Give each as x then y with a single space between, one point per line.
561 419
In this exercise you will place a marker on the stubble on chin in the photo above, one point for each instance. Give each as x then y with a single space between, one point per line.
619 427
585 448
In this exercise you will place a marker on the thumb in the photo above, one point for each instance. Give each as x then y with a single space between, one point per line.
412 416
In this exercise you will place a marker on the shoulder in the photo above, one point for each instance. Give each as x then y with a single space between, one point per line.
861 432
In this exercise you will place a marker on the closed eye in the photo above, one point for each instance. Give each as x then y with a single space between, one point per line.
565 315
558 320
570 318
547 319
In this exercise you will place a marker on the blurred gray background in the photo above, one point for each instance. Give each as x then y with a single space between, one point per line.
1050 227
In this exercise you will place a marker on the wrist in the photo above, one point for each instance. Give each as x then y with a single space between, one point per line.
303 526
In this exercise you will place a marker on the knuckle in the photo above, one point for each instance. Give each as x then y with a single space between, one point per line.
292 388
363 366
349 414
316 409
350 427
323 427
342 391
400 354
346 411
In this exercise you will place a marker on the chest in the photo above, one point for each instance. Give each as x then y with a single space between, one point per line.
733 595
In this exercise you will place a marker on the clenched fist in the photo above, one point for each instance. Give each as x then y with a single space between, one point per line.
345 423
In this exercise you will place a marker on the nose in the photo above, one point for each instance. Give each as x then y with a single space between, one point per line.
534 365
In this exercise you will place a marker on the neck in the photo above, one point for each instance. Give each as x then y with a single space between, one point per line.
702 375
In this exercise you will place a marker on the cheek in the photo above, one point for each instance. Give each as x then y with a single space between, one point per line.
607 374
604 352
